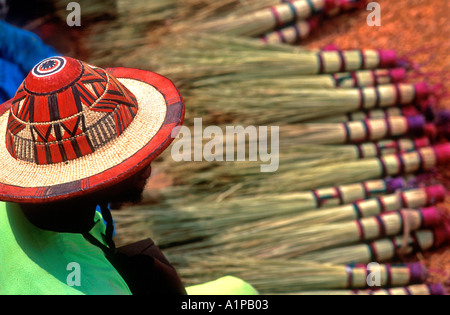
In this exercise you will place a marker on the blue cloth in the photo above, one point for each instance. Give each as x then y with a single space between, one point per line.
99 210
20 51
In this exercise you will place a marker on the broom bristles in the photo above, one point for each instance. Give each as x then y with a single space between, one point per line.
291 276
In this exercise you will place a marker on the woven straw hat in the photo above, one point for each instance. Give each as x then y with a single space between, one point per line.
73 128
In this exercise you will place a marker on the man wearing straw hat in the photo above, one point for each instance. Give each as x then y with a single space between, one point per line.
76 138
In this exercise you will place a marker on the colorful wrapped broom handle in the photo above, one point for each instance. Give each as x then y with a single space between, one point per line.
376 129
366 130
292 34
424 289
421 160
386 147
294 10
389 224
350 60
412 199
369 77
418 289
419 241
340 195
415 273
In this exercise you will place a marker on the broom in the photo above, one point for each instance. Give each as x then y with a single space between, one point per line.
191 221
414 198
385 249
293 242
419 289
304 156
280 276
370 114
264 20
185 224
190 57
360 78
303 104
424 159
182 195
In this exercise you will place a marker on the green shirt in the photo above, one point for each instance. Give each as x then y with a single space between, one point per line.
39 262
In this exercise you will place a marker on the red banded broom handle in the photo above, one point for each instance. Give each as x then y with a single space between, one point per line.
413 199
376 129
392 223
408 274
418 161
340 195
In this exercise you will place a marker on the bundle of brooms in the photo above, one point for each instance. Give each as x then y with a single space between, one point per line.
250 82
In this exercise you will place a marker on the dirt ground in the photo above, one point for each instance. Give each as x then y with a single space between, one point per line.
419 30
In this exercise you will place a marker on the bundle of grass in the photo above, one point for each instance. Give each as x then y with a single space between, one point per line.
406 111
264 20
385 249
360 78
189 57
284 277
141 11
418 289
92 10
249 175
413 199
288 242
299 105
180 222
111 42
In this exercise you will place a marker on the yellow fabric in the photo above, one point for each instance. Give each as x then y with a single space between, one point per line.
224 286
37 262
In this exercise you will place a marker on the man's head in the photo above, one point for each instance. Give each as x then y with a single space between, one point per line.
76 215
72 129
128 191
